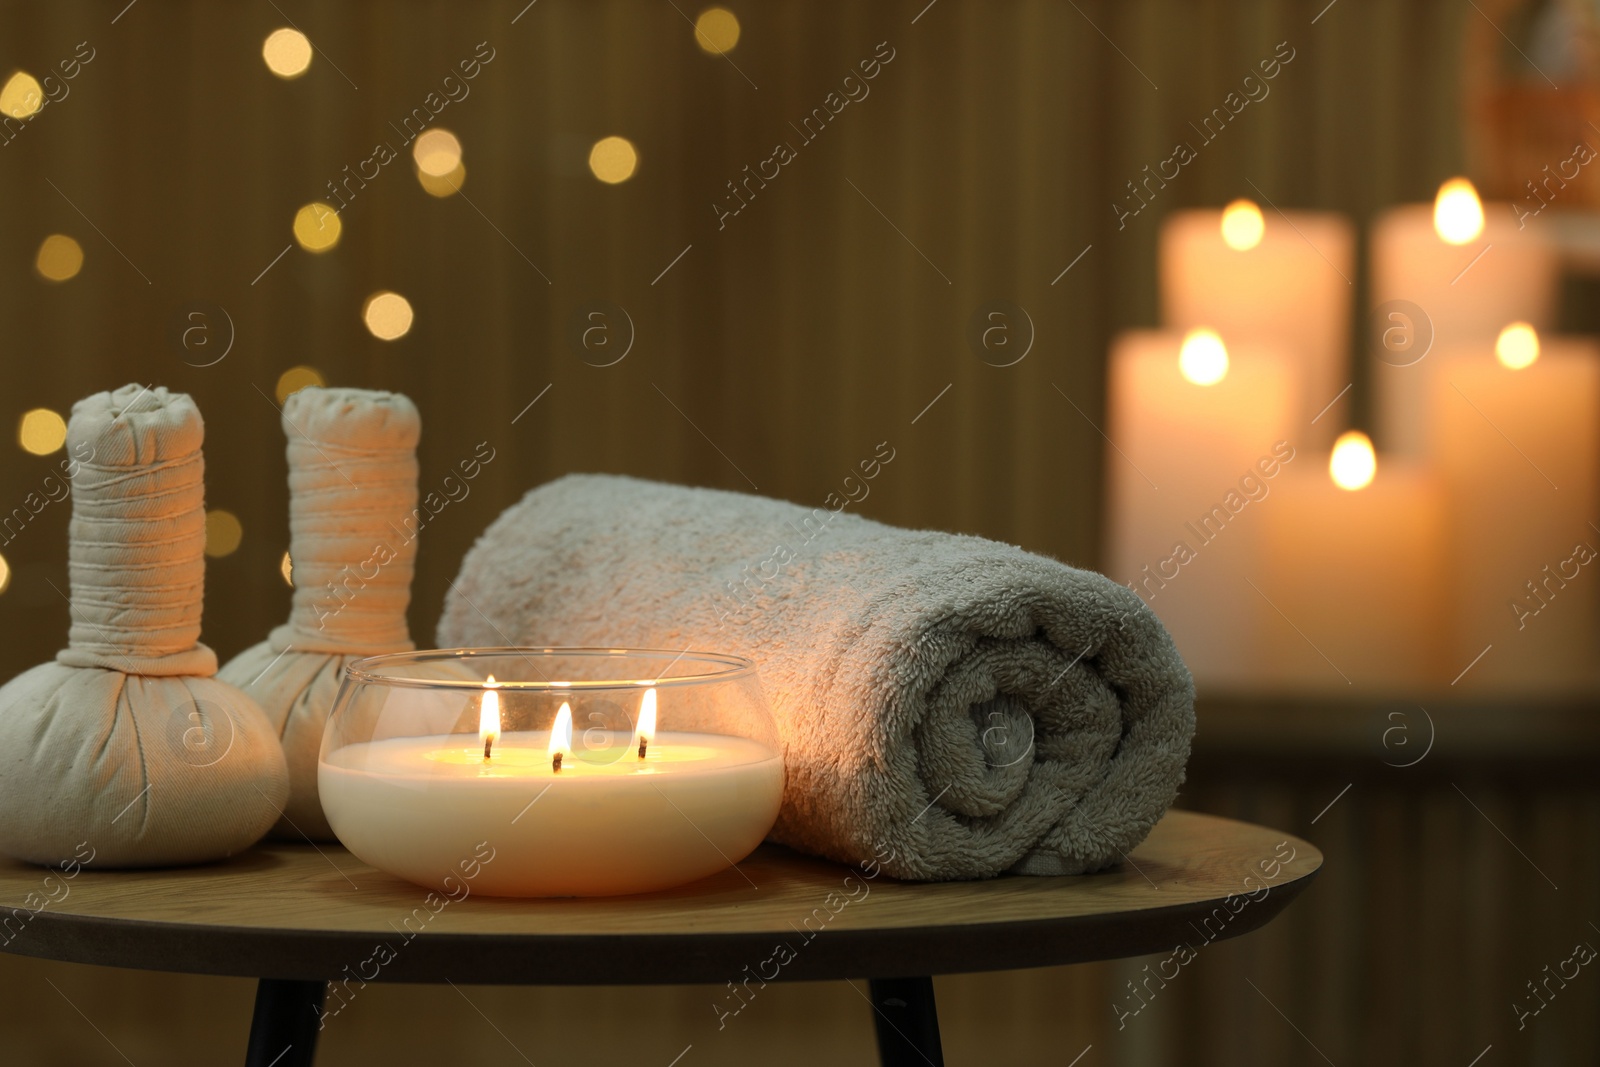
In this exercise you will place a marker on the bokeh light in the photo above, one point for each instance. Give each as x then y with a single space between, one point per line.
1353 463
59 258
613 159
286 568
317 227
445 185
1517 346
388 315
295 379
41 431
716 30
437 152
1203 359
1457 212
21 96
287 52
5 574
224 531
1242 225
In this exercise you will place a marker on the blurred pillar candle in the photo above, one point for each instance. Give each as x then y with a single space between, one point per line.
1188 467
1519 453
1455 272
1358 578
1281 280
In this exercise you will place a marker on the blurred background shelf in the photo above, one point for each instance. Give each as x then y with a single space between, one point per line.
1539 735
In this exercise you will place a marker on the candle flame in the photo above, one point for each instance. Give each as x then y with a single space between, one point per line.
1242 225
1203 359
645 732
489 716
1457 212
561 735
1517 346
1353 464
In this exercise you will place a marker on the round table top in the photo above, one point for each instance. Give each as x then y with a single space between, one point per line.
316 912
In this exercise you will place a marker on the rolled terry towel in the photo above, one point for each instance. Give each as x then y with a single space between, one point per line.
950 707
352 539
126 745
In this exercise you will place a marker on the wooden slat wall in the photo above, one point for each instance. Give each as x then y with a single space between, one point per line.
795 339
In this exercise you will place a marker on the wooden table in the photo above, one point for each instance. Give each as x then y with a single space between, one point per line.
311 922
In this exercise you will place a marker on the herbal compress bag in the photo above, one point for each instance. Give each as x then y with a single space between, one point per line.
126 742
352 543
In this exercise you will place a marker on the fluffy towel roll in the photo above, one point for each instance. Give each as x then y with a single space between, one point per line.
959 706
352 538
126 743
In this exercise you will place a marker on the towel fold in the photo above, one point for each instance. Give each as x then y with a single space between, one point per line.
950 707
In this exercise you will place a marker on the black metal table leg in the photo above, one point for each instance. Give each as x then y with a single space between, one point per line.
283 1031
907 1021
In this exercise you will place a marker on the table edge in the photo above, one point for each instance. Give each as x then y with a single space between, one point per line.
643 959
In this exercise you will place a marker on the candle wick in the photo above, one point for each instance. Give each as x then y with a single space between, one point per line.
644 743
555 762
488 743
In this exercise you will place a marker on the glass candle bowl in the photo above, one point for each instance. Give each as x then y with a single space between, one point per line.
545 772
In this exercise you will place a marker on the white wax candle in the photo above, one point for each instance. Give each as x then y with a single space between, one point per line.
1519 453
1188 468
1468 292
1291 291
1357 576
418 806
